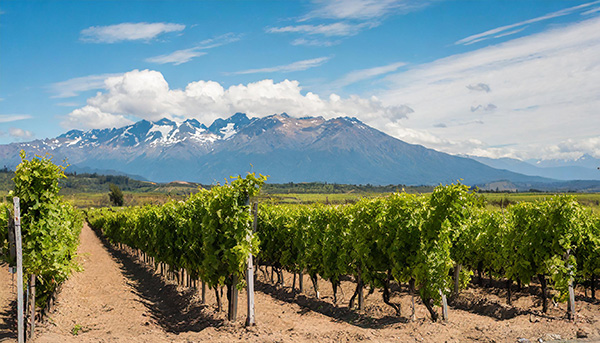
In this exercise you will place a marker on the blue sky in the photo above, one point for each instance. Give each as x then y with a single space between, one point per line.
490 78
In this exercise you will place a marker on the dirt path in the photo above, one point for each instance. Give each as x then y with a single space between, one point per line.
118 299
8 295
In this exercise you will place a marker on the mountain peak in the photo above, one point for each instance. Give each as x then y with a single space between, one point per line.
225 128
342 150
238 117
165 121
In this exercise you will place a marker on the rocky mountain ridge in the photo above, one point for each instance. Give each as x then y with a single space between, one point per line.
289 149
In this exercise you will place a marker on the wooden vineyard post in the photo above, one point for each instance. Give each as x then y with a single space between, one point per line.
571 291
457 268
571 300
444 306
32 306
203 292
19 250
233 299
250 319
411 286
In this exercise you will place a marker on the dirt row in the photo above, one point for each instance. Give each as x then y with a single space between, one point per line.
116 298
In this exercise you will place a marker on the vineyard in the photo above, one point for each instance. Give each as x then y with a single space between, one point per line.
420 253
48 241
432 243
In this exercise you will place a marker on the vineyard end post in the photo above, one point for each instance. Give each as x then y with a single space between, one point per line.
251 319
19 248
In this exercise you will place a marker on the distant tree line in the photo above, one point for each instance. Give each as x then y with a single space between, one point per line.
333 188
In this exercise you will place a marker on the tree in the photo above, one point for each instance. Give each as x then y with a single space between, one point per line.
115 195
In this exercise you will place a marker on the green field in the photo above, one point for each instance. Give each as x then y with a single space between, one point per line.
91 190
504 199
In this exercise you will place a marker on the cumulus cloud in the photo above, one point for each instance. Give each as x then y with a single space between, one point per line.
7 118
73 87
127 32
295 66
89 117
20 134
544 92
145 94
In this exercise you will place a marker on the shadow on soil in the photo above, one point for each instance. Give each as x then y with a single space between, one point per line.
339 313
173 310
8 324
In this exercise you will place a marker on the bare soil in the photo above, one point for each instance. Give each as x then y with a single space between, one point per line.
117 298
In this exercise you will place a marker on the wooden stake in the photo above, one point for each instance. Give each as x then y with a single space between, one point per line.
411 286
251 318
571 300
32 306
457 268
19 247
233 299
571 292
203 292
444 306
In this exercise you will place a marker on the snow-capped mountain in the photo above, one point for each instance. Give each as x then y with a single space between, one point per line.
342 150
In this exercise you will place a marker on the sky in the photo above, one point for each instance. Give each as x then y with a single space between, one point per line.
517 79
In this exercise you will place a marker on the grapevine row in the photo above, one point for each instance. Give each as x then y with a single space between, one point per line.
432 242
209 235
50 227
435 243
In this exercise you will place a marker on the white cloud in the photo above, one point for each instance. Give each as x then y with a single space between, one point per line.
339 29
89 117
20 133
7 118
365 74
146 94
503 34
480 87
502 31
128 32
183 56
350 16
361 9
73 87
314 42
177 57
592 11
543 88
295 66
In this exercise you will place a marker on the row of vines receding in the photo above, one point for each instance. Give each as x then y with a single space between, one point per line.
434 243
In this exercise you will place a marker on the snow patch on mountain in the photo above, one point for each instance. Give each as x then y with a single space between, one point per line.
163 129
228 131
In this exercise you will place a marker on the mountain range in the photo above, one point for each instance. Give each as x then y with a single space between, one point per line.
288 149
